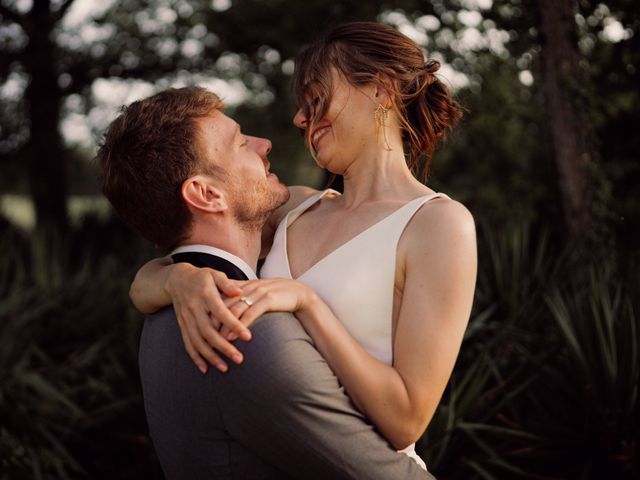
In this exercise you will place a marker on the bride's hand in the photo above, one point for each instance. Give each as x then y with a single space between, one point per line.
201 313
261 296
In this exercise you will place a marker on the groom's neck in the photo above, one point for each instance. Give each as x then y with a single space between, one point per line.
242 243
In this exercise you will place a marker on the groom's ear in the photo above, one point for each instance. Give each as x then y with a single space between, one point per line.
200 193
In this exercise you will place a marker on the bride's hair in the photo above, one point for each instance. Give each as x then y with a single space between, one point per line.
367 52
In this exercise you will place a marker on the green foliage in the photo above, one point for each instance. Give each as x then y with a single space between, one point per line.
70 401
598 370
546 385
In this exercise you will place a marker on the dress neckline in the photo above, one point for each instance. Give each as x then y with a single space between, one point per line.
304 206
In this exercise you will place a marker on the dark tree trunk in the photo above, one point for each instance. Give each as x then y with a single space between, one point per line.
561 76
45 155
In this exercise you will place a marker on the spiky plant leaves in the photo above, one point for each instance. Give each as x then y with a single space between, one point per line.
546 385
70 403
514 268
464 394
556 355
599 374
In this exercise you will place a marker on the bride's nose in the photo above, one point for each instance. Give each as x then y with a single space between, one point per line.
299 120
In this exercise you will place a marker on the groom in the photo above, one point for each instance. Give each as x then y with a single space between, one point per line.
181 172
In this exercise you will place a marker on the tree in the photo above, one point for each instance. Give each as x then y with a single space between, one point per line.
560 58
139 39
255 40
582 96
44 153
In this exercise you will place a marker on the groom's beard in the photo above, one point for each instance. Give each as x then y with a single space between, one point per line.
253 201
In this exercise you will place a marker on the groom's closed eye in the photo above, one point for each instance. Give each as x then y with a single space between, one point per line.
241 139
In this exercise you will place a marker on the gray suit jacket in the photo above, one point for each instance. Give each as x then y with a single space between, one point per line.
281 414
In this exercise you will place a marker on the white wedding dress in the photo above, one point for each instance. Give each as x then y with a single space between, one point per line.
356 280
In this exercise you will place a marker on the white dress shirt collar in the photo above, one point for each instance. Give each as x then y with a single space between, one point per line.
237 261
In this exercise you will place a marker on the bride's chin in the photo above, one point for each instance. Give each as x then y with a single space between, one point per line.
318 160
322 162
334 166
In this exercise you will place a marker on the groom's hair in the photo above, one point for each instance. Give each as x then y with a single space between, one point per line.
148 151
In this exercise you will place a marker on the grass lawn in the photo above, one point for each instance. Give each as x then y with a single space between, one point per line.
19 208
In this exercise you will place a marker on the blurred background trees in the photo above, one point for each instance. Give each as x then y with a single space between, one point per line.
564 71
547 159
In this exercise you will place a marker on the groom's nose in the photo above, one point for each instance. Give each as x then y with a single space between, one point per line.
262 146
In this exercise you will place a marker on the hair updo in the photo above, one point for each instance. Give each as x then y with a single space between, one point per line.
367 52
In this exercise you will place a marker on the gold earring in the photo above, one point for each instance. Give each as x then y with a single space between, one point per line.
380 115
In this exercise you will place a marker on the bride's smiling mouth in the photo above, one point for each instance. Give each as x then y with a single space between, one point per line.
317 134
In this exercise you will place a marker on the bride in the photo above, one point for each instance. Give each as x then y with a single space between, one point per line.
382 276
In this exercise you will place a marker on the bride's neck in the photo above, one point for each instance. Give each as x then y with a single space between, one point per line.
385 176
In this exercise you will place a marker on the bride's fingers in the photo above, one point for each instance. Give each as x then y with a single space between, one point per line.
236 306
238 309
197 348
259 307
226 285
228 301
219 311
226 333
263 298
239 305
268 296
195 356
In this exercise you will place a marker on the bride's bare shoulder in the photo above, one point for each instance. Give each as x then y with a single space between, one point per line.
439 222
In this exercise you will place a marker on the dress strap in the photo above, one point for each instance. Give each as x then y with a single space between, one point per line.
308 203
403 216
422 200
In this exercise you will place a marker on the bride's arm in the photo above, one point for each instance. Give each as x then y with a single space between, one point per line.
194 294
440 272
149 292
158 280
160 283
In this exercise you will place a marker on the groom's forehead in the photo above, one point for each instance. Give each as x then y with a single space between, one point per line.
217 138
218 130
